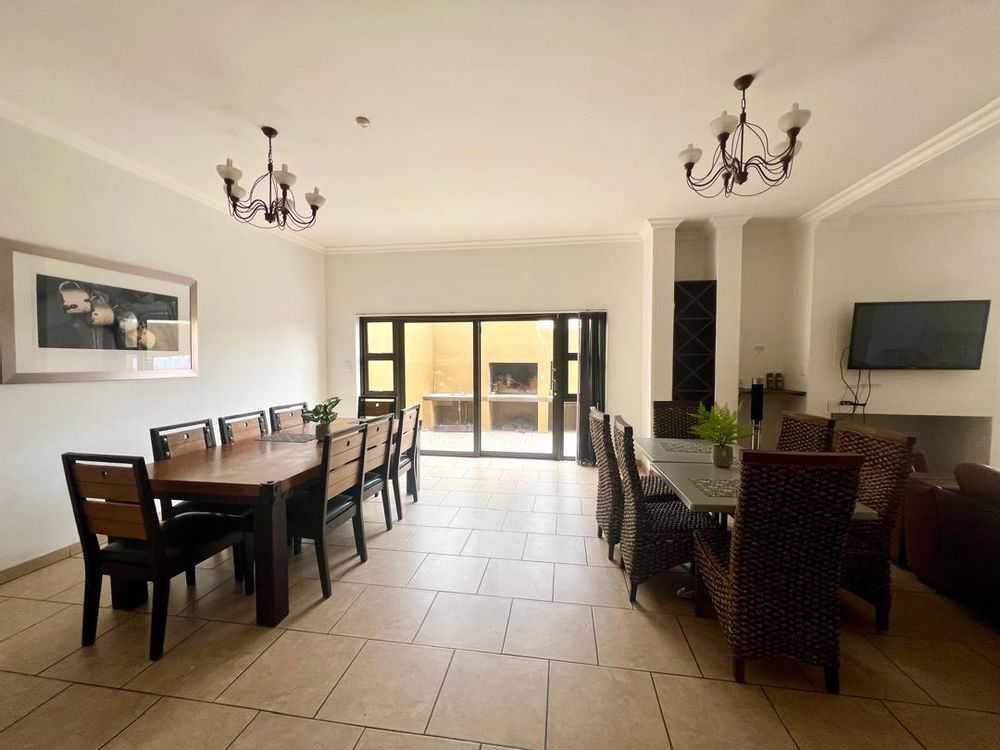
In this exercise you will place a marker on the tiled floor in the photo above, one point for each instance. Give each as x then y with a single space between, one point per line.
490 617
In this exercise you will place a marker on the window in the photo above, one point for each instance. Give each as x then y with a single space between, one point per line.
378 346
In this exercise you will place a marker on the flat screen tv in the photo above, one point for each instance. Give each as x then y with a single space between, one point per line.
945 335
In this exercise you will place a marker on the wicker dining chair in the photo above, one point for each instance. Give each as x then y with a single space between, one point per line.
805 432
888 461
774 579
672 419
655 537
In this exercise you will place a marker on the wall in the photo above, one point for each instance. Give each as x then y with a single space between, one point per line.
260 319
912 257
604 276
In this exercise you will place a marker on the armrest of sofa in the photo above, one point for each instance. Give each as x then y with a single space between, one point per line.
921 525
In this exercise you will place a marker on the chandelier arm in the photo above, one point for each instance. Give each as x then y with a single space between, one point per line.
762 135
708 179
773 168
771 179
247 211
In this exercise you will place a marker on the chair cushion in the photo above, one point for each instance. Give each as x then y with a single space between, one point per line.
982 483
656 490
186 536
299 505
198 506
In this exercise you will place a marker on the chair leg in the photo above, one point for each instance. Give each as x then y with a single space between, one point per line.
324 565
412 482
831 676
387 509
190 577
739 670
633 590
399 497
161 596
237 562
248 580
882 616
297 545
600 532
359 537
611 550
91 604
701 603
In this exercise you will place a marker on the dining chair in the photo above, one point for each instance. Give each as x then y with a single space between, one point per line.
673 419
888 461
242 426
335 499
610 500
406 455
375 406
190 437
655 536
773 580
378 461
111 495
805 432
287 415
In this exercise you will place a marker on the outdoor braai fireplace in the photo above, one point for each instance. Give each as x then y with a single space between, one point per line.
513 396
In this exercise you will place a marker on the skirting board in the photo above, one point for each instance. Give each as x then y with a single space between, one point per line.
30 566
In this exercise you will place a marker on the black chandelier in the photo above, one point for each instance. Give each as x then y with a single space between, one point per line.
732 164
279 208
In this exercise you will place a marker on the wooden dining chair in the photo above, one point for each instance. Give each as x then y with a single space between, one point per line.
378 461
375 406
111 495
287 415
774 580
405 455
805 432
672 419
336 499
242 426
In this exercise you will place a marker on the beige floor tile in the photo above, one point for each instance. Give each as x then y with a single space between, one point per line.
217 560
465 621
81 716
659 594
456 482
535 523
295 674
47 581
569 525
390 686
308 610
598 707
917 614
18 614
429 494
712 653
386 613
547 488
340 558
384 567
867 672
204 665
712 714
503 544
511 501
466 499
449 573
478 518
379 739
906 580
992 653
490 698
376 535
493 485
953 674
183 596
566 505
44 643
516 578
21 694
551 548
597 553
582 584
575 489
549 630
819 720
643 640
74 594
227 602
120 654
948 728
269 731
441 541
173 723
428 515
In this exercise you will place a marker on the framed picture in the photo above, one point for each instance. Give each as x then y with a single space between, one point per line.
65 316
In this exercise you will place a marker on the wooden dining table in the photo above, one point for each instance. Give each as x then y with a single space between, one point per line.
259 474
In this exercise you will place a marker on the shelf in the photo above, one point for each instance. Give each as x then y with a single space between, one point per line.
777 392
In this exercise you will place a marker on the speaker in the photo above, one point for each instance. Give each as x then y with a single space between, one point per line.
757 400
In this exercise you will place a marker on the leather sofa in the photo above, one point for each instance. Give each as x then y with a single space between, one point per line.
951 534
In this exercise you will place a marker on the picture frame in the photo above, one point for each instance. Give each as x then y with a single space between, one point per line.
66 316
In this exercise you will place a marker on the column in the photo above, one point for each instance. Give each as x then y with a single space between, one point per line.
727 252
659 237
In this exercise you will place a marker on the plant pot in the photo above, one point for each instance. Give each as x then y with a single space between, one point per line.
722 456
322 430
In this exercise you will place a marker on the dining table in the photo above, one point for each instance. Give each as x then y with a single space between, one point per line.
259 474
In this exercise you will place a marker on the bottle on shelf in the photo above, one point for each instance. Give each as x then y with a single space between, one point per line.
779 381
769 383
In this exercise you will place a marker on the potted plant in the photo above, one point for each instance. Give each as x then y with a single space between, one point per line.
721 426
322 414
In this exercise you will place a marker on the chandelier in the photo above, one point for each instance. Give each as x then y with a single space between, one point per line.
744 150
278 210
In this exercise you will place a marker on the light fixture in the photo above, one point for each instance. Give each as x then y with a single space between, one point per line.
279 208
743 150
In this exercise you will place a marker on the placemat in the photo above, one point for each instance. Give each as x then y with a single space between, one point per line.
685 446
717 487
288 437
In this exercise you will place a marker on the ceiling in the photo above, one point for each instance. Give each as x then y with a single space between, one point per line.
523 118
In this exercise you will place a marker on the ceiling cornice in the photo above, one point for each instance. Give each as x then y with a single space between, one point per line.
417 247
980 120
938 207
43 126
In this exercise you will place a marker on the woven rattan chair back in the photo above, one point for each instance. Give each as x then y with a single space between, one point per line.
634 500
805 432
609 482
672 419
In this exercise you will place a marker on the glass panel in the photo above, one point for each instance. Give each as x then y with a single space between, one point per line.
572 377
569 428
573 336
380 337
439 378
380 375
516 357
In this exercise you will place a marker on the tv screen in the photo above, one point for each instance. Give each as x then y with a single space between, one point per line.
918 335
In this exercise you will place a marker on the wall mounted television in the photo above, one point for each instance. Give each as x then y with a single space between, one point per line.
939 335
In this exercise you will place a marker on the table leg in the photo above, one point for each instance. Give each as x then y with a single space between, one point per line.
128 593
271 554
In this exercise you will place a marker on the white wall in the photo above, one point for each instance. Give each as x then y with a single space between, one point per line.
260 319
497 280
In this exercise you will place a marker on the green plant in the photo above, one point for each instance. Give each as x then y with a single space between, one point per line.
322 413
719 425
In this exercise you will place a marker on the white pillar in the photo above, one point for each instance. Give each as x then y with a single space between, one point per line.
659 253
727 251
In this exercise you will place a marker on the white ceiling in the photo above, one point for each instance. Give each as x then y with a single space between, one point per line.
519 118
